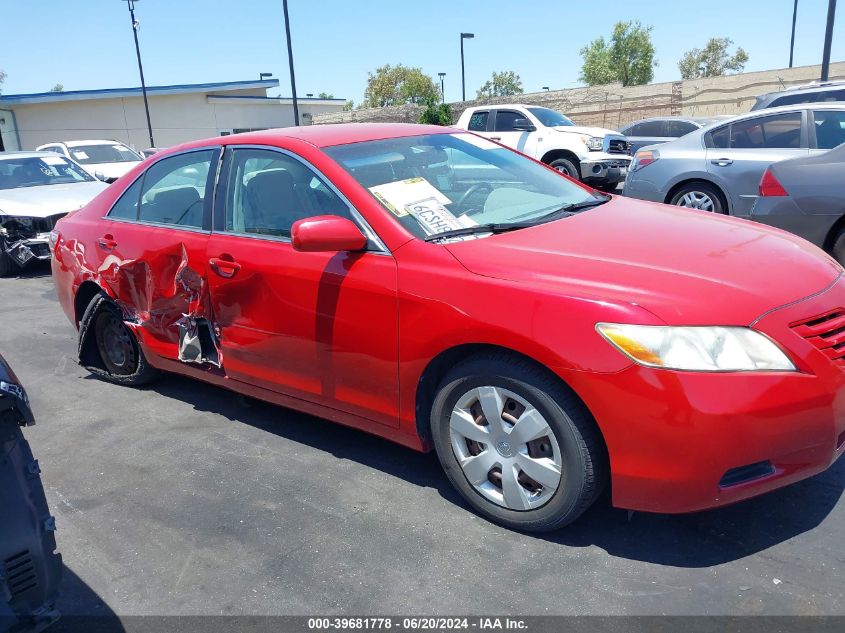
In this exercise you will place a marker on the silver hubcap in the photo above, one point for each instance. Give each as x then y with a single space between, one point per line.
696 200
562 170
506 448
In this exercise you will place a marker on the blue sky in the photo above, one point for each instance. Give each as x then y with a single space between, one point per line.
88 44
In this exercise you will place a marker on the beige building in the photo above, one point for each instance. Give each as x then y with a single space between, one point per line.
178 113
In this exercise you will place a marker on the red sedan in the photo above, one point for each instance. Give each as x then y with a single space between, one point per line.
445 292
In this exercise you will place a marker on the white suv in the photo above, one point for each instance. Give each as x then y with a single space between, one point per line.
594 155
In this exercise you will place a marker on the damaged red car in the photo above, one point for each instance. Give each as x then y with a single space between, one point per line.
447 293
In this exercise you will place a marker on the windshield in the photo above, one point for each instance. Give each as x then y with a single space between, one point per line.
442 182
91 154
35 171
550 118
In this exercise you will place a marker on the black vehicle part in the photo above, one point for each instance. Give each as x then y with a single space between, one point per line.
90 356
30 568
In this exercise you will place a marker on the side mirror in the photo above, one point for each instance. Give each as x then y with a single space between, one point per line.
523 125
100 176
323 233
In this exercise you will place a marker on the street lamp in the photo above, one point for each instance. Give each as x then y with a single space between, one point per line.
290 63
262 76
828 38
464 36
545 88
135 25
442 94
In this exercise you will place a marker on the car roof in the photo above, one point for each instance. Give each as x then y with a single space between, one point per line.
329 135
10 155
91 142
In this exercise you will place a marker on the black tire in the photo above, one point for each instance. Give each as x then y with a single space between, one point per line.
566 166
838 247
584 471
7 266
717 200
122 359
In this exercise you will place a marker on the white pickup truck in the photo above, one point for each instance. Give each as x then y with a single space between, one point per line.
594 155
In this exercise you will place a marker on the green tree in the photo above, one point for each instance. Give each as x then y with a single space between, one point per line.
628 57
713 60
57 88
503 84
436 113
326 95
349 105
396 85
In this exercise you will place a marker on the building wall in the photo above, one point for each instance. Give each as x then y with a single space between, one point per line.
175 118
613 106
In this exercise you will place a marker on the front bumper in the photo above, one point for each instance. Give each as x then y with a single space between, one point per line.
687 441
22 252
605 167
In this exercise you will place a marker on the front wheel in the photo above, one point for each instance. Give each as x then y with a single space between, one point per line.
519 446
566 167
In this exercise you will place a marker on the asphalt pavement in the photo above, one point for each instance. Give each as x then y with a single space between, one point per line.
184 498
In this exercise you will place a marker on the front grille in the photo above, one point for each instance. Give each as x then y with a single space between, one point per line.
28 228
20 573
618 146
826 332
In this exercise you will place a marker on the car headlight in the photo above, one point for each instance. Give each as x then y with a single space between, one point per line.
593 143
697 348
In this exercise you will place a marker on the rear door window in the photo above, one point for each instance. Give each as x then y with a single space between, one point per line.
478 121
651 128
676 129
174 190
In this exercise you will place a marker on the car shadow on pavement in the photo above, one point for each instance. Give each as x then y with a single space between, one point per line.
701 539
82 608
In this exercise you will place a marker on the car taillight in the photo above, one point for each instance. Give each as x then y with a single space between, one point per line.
769 185
643 158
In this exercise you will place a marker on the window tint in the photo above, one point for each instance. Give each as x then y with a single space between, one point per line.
778 131
830 95
174 189
505 119
126 206
677 129
650 128
478 121
718 138
801 97
830 128
268 191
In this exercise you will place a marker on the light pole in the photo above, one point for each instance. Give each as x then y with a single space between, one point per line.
828 39
546 88
135 25
261 76
464 36
792 41
442 94
290 63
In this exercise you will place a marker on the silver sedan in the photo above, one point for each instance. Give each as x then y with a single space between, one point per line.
36 189
718 168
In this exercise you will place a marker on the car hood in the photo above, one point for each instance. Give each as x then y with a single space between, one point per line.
686 267
591 131
110 170
46 200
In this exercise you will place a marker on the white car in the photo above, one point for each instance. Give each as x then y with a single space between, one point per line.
106 160
36 190
594 155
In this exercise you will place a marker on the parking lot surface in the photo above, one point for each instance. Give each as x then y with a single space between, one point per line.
184 498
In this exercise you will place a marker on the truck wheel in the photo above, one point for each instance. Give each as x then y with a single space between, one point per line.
518 446
567 167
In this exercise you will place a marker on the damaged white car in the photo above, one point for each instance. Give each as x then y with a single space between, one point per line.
36 190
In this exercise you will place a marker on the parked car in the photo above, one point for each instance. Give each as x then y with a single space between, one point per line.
30 568
806 196
663 129
36 189
442 291
594 155
809 93
103 159
719 168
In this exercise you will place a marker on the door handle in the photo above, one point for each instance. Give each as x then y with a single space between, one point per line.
495 138
226 268
722 162
107 242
